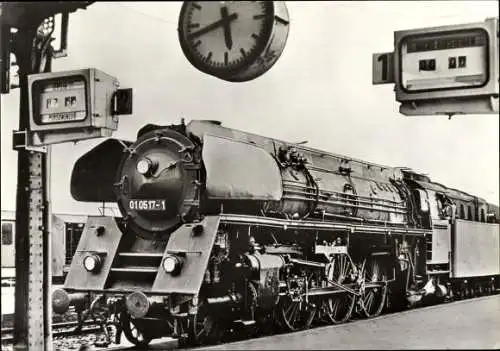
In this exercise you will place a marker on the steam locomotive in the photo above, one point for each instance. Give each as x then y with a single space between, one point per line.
224 229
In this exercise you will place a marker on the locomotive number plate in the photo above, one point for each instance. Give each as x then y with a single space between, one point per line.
329 250
147 205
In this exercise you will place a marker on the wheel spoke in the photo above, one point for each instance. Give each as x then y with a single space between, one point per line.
296 313
369 301
335 306
344 269
289 309
200 333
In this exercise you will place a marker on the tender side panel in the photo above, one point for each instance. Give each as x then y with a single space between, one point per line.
476 249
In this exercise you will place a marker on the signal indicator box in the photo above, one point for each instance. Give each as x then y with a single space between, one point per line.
71 100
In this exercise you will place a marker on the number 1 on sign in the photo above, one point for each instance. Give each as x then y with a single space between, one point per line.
383 59
382 68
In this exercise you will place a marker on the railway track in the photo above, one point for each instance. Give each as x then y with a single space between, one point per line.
63 330
59 330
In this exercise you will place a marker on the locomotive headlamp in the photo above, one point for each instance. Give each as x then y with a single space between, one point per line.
92 263
143 166
172 264
146 166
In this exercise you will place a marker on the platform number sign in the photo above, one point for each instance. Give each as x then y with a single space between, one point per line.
383 68
446 70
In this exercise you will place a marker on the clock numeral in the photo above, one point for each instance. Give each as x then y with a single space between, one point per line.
194 25
196 6
255 36
209 56
226 58
243 53
256 17
196 43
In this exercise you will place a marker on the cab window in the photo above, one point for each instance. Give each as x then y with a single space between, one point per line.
483 217
6 233
469 213
462 211
424 203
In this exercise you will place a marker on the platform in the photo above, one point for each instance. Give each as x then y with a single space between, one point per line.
467 324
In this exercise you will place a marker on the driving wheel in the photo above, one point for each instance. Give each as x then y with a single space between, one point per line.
338 308
373 295
293 314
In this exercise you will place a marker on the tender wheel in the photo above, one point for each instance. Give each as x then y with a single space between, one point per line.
338 308
134 330
491 287
203 327
374 293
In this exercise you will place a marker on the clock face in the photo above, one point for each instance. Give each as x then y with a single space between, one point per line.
224 37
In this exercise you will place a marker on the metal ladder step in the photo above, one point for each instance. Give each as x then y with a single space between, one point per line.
438 272
140 254
135 270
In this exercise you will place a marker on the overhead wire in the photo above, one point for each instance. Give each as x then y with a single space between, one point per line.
143 13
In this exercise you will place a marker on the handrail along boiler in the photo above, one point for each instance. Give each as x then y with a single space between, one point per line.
223 228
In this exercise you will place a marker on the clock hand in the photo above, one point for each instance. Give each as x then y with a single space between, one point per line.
227 28
213 26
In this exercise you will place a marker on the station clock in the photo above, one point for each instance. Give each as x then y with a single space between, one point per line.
233 40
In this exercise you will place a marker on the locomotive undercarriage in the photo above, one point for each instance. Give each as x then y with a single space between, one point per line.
265 274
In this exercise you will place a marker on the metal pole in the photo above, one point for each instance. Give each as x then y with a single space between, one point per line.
47 264
32 326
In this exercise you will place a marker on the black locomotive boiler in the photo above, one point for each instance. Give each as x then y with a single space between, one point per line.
224 229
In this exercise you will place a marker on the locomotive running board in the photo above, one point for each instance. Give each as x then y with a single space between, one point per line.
317 225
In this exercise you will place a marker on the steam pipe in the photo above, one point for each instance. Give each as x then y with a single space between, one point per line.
336 197
301 185
340 204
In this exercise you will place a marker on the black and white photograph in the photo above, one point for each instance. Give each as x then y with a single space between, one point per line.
250 175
